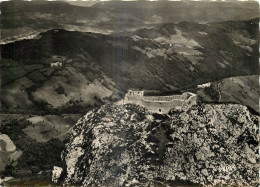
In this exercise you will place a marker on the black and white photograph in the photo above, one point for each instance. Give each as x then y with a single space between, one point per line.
104 93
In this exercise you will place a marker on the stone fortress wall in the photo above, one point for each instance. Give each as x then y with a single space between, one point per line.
160 104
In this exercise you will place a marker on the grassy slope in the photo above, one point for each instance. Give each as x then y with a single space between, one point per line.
242 90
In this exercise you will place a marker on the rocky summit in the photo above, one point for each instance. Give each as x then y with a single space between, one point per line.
125 145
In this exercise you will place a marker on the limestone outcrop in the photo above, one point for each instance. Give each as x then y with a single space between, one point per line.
126 145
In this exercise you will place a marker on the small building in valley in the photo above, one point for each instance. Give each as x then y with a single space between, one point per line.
56 64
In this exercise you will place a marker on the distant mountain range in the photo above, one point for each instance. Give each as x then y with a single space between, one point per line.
22 18
165 57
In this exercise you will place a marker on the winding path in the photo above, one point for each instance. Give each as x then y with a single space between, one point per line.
219 92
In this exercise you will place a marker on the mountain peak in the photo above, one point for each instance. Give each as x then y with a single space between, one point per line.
126 145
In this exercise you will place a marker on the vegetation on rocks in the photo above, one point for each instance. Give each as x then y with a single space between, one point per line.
209 144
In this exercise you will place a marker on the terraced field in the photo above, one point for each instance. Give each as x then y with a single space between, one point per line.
24 87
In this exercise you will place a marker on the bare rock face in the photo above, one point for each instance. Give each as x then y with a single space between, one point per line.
128 146
56 173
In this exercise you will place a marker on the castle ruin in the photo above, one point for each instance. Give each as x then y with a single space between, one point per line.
160 104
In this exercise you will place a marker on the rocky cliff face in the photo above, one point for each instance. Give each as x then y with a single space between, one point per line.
127 146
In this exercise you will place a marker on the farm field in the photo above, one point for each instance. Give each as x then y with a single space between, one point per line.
44 128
